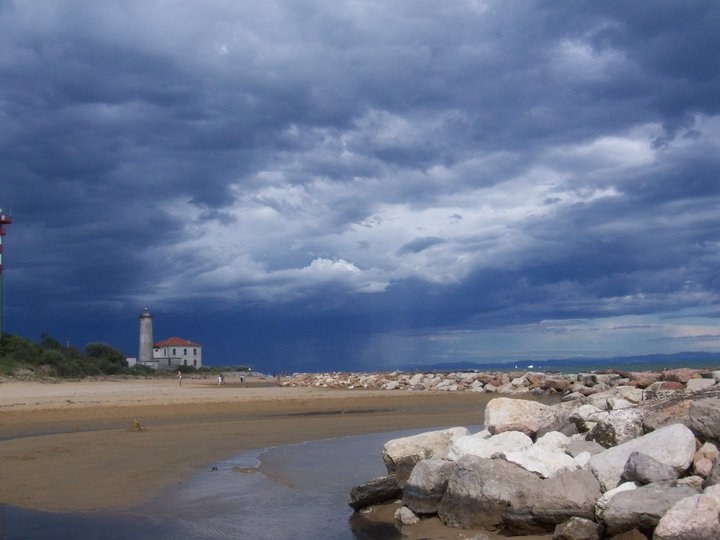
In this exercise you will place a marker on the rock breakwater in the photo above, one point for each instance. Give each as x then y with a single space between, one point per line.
636 459
576 385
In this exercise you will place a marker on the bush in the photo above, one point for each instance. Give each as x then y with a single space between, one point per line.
9 366
51 358
19 350
138 369
70 367
186 369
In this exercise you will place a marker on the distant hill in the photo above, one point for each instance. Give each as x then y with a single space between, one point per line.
569 365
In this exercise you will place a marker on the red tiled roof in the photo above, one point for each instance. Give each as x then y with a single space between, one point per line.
176 342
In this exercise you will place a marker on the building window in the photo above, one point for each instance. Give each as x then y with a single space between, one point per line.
184 352
195 363
168 362
185 362
195 352
174 353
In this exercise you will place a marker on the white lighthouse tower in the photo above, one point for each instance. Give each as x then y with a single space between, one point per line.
145 354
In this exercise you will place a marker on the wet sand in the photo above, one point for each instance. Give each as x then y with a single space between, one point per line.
113 445
72 446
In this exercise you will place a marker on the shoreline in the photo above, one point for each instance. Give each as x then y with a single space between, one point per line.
74 446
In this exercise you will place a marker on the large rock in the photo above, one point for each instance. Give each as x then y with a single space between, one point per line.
618 427
605 400
576 447
573 396
673 445
713 478
643 507
680 375
559 384
529 428
586 417
546 457
509 388
542 461
608 378
401 455
501 411
632 534
644 469
377 491
553 501
694 481
599 388
577 528
705 418
695 385
692 518
561 422
709 451
426 485
630 393
480 445
405 516
480 490
587 379
602 502
619 403
702 467
563 426
643 379
554 440
666 413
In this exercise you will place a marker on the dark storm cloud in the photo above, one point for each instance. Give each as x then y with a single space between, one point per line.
420 244
398 167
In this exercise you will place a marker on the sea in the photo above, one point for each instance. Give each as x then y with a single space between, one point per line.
652 362
285 492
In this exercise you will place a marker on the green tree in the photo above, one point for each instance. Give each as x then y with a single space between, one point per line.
49 342
20 350
51 357
107 359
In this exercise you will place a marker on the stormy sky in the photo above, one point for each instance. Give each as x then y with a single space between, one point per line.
301 184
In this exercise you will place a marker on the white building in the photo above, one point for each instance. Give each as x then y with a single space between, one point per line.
175 352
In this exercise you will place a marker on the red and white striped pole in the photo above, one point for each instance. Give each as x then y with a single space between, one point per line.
5 219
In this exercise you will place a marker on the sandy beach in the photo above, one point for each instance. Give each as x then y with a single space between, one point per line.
74 446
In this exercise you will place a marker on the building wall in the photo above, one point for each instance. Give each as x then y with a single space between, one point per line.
173 356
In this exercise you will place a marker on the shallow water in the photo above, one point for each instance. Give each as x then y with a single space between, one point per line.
286 492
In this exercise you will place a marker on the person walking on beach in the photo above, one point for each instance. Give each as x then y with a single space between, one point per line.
179 378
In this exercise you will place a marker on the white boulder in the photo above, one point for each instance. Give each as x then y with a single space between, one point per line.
503 410
485 446
692 518
547 461
673 445
401 455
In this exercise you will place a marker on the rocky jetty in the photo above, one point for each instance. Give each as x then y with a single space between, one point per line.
638 458
572 386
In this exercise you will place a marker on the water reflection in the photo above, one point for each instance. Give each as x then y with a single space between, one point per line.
288 492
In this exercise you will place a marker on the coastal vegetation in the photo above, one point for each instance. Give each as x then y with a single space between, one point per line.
21 357
48 357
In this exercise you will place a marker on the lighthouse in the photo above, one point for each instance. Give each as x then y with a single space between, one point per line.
145 354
